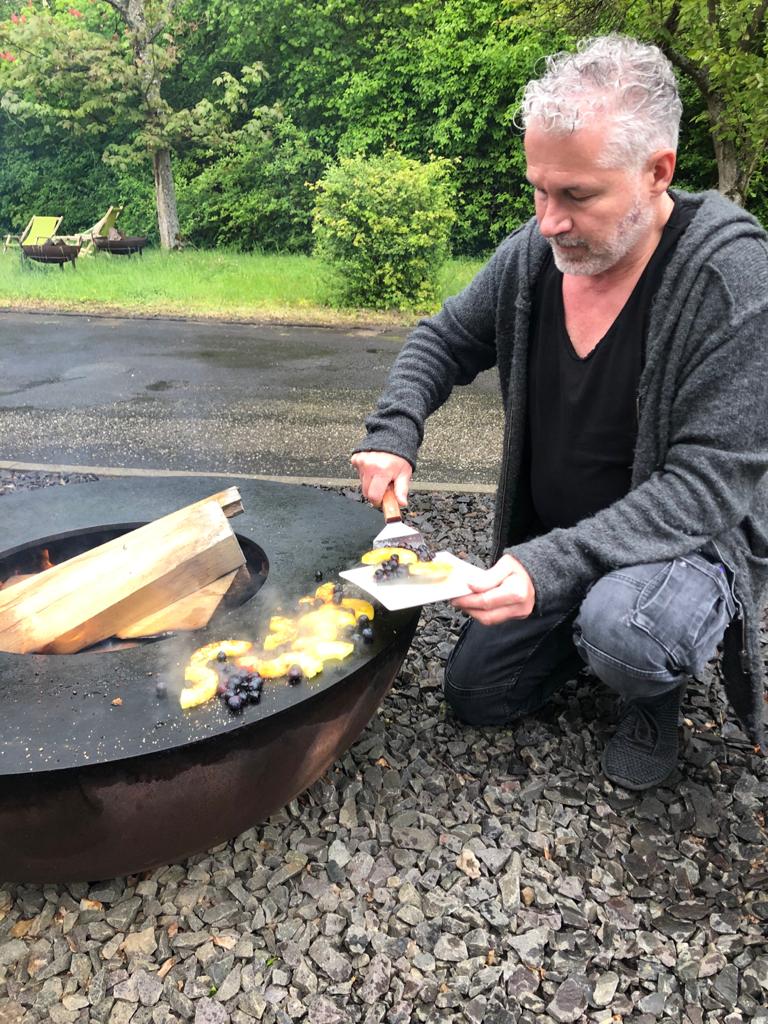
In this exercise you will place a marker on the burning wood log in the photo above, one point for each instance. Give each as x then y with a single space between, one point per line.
125 582
191 612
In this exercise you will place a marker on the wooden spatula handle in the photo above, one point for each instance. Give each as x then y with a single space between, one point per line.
390 506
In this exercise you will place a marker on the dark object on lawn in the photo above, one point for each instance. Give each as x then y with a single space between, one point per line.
119 245
101 771
52 252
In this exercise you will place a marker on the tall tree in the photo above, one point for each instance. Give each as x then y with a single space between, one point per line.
81 71
721 46
149 26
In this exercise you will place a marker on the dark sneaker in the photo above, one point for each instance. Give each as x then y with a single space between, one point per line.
643 750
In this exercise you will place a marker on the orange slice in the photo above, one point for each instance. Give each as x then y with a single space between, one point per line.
358 606
324 650
430 572
376 555
274 668
204 681
326 621
325 591
232 649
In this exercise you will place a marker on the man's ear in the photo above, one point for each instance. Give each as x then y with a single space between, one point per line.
661 168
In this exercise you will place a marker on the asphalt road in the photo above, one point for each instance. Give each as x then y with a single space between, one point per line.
238 399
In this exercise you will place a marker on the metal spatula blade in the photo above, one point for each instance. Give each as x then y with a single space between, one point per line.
396 533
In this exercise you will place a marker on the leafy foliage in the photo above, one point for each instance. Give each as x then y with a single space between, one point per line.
253 194
255 99
384 223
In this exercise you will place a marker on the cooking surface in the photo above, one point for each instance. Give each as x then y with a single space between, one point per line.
56 711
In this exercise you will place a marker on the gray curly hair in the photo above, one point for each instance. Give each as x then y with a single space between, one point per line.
630 81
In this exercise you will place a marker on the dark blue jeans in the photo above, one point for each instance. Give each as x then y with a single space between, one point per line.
641 630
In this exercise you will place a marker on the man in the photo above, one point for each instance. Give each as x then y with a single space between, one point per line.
629 325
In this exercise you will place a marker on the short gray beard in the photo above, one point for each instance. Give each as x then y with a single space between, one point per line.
629 231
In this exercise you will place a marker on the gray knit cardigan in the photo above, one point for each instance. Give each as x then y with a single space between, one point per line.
700 470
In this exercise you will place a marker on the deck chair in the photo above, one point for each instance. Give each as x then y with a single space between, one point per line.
37 232
100 229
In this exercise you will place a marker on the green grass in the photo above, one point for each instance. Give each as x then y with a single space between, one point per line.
197 284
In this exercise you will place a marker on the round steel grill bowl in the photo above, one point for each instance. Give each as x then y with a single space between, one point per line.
90 789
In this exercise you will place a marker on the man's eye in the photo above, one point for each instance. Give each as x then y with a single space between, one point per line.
579 199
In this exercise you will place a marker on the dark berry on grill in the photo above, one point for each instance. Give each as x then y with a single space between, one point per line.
367 634
221 656
363 620
318 575
235 702
253 696
295 675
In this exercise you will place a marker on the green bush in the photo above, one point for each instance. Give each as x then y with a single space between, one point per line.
383 223
254 195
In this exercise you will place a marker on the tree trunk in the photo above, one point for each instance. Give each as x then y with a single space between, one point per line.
165 199
730 174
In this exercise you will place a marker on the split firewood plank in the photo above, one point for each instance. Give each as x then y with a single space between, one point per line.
191 612
92 596
231 505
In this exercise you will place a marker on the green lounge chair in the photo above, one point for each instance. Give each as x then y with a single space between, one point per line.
39 231
100 229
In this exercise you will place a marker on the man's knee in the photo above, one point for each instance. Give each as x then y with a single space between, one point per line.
643 629
616 650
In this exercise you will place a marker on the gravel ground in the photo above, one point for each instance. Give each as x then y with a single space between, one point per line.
437 873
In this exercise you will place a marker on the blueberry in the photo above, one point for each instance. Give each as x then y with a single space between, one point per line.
235 702
253 696
394 559
367 634
295 675
318 575
221 656
363 620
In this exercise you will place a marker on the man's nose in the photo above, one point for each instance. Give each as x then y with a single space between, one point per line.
553 220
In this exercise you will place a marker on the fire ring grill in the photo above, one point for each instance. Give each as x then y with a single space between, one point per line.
91 790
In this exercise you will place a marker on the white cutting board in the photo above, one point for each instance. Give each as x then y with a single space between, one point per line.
403 594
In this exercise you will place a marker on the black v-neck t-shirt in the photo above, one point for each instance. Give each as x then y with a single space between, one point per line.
582 411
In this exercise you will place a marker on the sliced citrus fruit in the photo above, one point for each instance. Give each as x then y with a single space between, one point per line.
358 606
274 668
232 649
325 591
376 555
274 640
204 684
430 572
280 622
324 650
326 621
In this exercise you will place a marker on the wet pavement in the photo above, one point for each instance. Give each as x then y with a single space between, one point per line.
174 395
